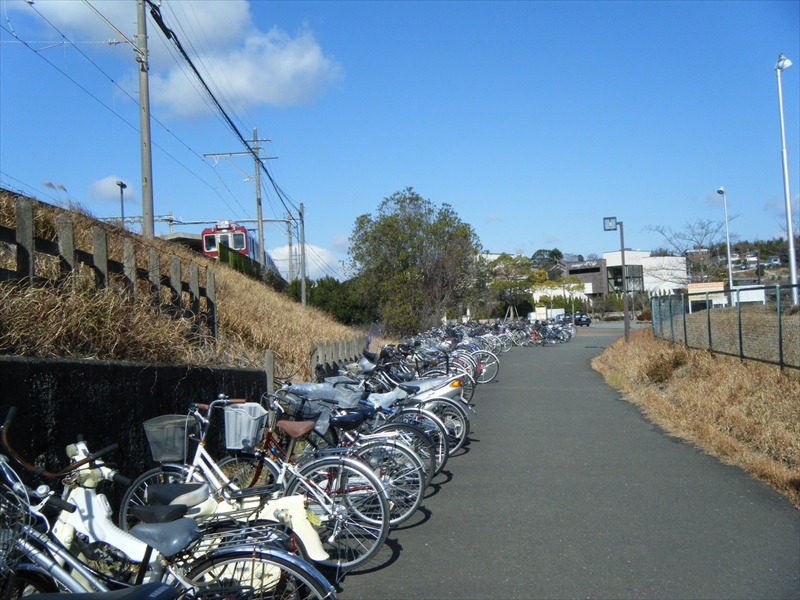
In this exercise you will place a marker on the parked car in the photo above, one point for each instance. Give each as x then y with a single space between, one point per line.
582 319
774 261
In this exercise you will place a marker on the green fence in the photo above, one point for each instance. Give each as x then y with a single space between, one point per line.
756 323
240 262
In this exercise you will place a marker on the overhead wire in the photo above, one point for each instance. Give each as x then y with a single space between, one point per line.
155 13
204 90
132 126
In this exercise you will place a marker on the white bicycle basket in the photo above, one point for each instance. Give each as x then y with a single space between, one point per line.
244 425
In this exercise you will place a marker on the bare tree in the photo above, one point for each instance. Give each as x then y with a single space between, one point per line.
696 241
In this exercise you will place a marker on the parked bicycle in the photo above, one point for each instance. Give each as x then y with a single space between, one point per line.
81 550
338 508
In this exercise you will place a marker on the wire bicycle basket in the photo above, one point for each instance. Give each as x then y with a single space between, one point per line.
169 436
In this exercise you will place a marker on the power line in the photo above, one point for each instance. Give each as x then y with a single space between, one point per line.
155 12
111 110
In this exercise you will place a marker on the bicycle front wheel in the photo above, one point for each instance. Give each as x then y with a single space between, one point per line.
136 494
419 441
488 366
455 420
261 574
348 506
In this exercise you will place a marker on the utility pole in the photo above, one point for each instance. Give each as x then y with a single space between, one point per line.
257 166
144 123
291 256
302 259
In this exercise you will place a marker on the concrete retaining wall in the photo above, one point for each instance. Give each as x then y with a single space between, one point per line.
107 402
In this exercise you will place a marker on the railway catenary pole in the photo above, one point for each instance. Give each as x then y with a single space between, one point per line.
302 258
255 153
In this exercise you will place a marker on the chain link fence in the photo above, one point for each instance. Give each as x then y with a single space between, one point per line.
757 323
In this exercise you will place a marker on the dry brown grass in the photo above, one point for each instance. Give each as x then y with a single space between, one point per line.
74 320
746 413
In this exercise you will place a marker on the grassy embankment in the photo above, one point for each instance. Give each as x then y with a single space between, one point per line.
745 413
74 320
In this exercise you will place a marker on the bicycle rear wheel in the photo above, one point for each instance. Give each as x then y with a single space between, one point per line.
136 494
348 506
402 473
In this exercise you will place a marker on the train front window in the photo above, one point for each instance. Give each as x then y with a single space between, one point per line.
239 242
224 240
209 243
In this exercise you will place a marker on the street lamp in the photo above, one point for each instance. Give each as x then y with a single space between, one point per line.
611 224
122 186
782 63
721 192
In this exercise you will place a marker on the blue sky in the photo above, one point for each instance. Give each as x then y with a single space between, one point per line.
533 120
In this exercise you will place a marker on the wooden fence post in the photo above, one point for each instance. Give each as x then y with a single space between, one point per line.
129 265
175 281
154 273
194 290
66 244
100 256
269 369
211 301
25 247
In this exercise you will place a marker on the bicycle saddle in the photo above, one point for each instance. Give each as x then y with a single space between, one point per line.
189 494
168 538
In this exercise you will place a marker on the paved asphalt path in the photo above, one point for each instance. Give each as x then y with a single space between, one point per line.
565 491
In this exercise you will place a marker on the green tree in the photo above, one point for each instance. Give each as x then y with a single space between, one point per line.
413 261
339 299
546 260
513 279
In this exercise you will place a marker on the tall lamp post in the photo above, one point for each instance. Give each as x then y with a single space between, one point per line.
721 192
782 63
122 186
611 224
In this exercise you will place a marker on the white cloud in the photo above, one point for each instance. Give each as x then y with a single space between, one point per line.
106 190
319 262
243 65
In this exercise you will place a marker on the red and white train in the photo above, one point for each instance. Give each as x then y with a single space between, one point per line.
237 238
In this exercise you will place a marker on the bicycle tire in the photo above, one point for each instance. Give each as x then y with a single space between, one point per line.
432 426
455 420
136 492
419 441
351 515
489 366
257 573
402 473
